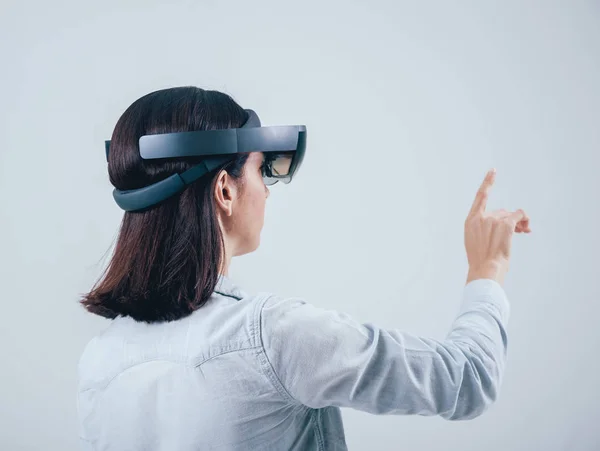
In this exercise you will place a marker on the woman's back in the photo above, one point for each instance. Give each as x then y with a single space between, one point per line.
200 382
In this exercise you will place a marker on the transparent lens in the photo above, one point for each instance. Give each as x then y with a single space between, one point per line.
276 167
281 164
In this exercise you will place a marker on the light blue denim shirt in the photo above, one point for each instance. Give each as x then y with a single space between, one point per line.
264 372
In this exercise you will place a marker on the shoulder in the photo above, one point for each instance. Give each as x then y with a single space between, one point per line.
276 312
294 322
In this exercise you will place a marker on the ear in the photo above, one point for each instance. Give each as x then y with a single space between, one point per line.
225 193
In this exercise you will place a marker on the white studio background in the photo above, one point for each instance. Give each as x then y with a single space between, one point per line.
407 105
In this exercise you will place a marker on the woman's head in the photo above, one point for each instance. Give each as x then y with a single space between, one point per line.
167 259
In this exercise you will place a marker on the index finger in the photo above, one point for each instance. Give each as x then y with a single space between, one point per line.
480 201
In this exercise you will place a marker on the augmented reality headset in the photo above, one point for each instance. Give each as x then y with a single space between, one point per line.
283 148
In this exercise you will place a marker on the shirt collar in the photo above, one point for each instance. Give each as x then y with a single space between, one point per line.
227 287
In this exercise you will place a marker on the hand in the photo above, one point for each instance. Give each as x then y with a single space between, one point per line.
488 235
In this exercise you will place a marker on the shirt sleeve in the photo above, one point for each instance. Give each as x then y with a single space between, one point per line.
326 358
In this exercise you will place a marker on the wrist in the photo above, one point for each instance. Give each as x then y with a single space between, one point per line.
490 270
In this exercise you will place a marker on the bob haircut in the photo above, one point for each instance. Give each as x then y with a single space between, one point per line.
167 259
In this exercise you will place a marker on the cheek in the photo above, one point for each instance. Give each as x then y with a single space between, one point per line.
261 199
256 202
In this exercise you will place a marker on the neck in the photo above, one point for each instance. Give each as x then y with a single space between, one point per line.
226 258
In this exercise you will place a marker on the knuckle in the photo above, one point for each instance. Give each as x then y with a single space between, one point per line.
508 224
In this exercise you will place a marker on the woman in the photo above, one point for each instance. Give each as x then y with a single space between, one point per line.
190 361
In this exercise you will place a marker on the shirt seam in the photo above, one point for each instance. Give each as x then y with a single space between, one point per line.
266 364
318 432
230 351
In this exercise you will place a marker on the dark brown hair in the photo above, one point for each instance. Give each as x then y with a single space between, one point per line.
167 259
